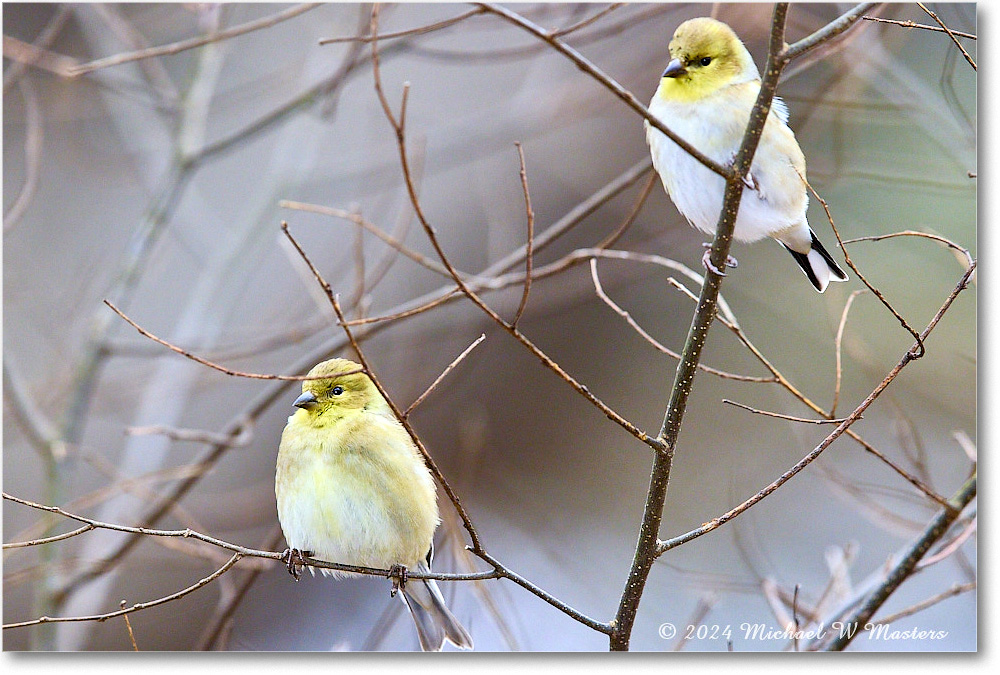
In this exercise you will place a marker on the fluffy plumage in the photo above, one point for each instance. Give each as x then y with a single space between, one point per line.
352 488
705 95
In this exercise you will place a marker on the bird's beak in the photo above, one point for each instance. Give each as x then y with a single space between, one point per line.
674 69
306 400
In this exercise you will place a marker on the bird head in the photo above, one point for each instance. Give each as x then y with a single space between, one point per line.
705 56
343 387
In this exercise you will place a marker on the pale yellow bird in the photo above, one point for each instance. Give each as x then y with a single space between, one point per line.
352 488
705 95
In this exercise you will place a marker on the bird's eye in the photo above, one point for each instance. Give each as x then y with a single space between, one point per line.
705 60
338 390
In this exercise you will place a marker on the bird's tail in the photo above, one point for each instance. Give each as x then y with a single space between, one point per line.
435 622
818 264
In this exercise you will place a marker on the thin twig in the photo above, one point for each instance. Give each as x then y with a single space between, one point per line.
956 589
191 43
547 597
194 435
395 316
838 345
919 349
49 540
419 30
134 608
916 233
599 289
583 23
951 547
444 373
206 362
128 625
530 250
613 86
950 33
828 32
911 24
356 218
907 358
790 418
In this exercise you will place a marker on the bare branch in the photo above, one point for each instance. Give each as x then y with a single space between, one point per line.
419 30
356 218
243 438
838 345
134 608
902 570
583 23
49 540
663 546
790 418
956 589
951 34
828 32
37 57
911 24
647 546
530 246
919 349
444 373
191 43
588 67
45 39
599 289
206 362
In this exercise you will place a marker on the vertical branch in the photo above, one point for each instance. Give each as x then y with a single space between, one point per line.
645 551
529 251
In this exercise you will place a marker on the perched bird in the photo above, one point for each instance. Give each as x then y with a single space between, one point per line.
705 95
352 488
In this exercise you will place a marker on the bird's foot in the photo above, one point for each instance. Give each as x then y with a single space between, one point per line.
399 575
706 260
294 560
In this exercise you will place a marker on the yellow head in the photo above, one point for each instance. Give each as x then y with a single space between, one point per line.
706 55
344 388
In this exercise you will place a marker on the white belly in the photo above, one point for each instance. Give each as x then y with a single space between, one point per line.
698 192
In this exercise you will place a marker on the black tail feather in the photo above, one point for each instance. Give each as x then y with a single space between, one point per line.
834 267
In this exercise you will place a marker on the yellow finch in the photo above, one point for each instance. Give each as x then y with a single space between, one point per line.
352 488
705 95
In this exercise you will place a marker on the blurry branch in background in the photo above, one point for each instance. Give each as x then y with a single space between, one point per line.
45 39
184 45
419 30
34 136
710 307
906 565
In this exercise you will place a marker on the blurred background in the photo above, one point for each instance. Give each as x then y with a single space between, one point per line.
160 183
